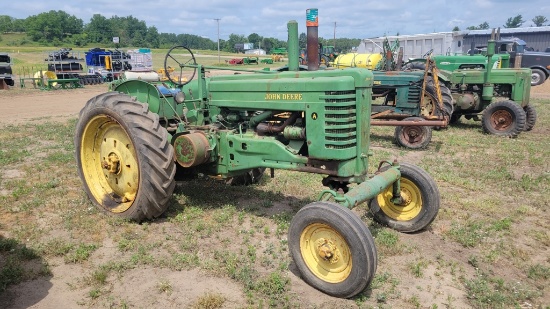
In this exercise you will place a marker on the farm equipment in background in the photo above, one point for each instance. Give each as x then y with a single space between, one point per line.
101 66
6 77
236 61
329 52
413 102
250 60
508 53
67 66
110 64
474 86
356 60
277 58
279 51
326 55
163 73
132 144
267 61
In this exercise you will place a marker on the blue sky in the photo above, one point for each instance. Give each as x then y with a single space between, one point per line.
353 18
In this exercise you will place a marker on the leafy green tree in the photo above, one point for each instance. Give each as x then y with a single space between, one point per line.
539 20
6 23
514 22
99 29
456 28
138 40
19 25
234 39
79 40
267 44
255 39
482 26
10 24
52 26
168 40
302 40
126 29
152 37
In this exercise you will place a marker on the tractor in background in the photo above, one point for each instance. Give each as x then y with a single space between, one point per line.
413 102
475 84
133 143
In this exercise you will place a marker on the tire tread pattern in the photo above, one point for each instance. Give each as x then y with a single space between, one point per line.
359 239
153 148
519 121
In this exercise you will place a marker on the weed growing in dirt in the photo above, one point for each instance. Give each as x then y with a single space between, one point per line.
209 301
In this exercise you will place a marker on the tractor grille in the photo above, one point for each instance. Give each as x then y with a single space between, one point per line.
414 94
340 119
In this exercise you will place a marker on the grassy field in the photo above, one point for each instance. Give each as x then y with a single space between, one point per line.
225 247
488 247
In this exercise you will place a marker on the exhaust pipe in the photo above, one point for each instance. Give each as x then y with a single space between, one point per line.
312 24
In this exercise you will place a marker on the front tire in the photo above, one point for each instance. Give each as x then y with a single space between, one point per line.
420 202
413 137
531 115
324 61
124 157
537 77
332 248
504 118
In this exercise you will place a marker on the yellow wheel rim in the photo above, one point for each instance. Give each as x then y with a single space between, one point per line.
325 252
412 202
109 163
428 107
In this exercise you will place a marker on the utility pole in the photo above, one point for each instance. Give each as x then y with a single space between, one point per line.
218 20
334 36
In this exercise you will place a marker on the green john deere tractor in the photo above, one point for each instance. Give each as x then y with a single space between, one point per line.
133 143
486 90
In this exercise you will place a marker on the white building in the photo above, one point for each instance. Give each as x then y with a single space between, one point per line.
455 42
257 51
415 46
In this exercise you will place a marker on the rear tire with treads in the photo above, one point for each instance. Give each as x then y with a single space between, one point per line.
124 157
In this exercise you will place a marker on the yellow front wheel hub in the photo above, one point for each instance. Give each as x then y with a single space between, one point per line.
109 163
407 210
326 253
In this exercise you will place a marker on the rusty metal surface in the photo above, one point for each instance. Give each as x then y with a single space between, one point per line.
312 48
435 123
191 149
319 167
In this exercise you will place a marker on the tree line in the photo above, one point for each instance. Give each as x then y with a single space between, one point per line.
512 22
58 28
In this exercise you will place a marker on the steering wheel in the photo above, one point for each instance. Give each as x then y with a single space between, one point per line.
428 53
180 65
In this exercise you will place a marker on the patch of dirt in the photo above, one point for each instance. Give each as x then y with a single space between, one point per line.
39 105
541 91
